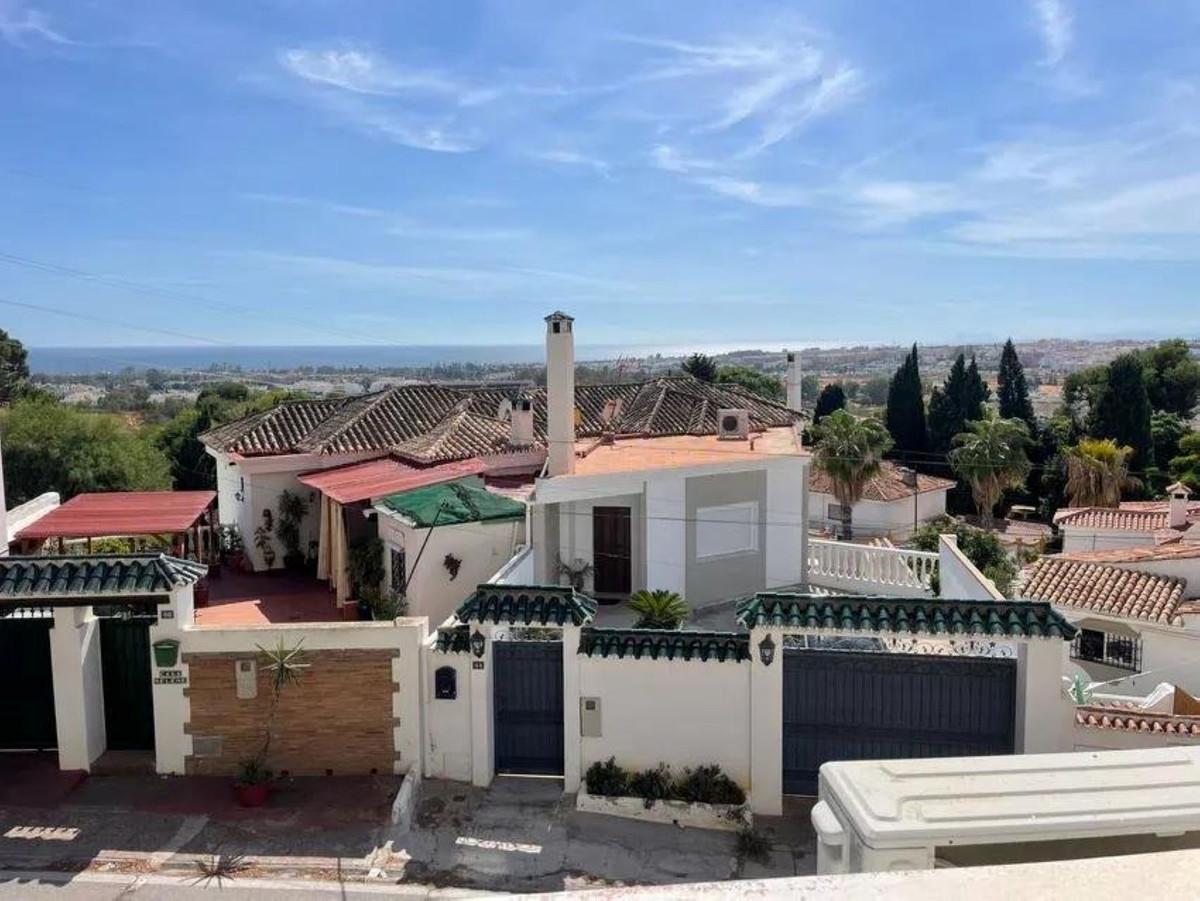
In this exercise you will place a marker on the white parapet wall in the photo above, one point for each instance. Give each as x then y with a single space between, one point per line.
959 578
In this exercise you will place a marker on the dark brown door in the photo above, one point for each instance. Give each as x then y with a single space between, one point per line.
612 550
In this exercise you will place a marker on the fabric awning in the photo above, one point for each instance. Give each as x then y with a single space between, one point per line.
121 513
377 478
451 505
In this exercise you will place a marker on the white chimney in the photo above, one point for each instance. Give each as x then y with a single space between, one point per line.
1180 494
560 394
3 513
521 422
793 380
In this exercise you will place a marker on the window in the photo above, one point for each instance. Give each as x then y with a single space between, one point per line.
1091 644
727 529
399 571
1121 651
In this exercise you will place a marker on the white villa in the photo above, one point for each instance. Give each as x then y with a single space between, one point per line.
1131 523
895 503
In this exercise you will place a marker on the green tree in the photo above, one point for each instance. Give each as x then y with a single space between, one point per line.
760 383
1186 466
14 368
960 400
1166 431
810 386
991 457
850 451
52 447
1097 472
980 546
831 398
1059 434
701 366
905 414
1172 377
875 391
976 393
1012 390
1122 410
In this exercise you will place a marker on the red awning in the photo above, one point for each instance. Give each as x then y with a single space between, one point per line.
121 513
377 478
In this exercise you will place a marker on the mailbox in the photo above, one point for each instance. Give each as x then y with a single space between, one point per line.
445 683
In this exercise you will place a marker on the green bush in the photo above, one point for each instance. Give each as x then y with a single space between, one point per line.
606 778
700 785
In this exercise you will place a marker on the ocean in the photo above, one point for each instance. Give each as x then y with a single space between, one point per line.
90 360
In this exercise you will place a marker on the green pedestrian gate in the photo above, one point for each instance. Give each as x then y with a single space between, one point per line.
528 697
26 683
128 695
843 705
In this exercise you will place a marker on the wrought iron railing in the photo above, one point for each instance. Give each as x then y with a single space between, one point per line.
1119 651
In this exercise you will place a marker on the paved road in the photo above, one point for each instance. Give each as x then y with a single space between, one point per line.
102 887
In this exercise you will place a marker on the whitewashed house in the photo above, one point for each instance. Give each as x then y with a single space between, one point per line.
1131 524
895 503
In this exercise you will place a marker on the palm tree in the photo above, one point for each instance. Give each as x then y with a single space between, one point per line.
990 457
850 451
659 609
1097 472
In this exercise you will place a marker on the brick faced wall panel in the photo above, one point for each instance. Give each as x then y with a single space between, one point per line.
339 717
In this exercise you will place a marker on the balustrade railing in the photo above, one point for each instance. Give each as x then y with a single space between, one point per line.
870 569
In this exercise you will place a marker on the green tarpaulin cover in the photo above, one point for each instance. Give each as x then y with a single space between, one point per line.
453 503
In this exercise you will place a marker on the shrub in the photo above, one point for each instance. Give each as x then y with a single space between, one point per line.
709 785
658 609
652 785
606 778
753 845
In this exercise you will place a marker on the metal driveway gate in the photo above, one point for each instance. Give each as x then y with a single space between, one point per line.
27 697
529 707
840 705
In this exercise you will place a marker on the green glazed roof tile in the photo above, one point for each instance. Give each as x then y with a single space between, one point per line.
98 575
666 644
527 605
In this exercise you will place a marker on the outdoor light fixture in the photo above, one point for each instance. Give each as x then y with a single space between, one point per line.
766 650
477 641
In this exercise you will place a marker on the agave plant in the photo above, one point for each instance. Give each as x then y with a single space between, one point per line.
659 609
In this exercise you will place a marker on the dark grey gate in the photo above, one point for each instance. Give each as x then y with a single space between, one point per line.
840 705
128 693
27 697
529 707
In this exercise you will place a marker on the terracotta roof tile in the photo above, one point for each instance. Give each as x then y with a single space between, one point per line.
1124 718
1109 590
1178 550
888 485
1136 516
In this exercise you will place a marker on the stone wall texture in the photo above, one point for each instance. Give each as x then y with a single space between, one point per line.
339 717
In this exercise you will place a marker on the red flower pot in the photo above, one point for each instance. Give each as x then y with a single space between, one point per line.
252 795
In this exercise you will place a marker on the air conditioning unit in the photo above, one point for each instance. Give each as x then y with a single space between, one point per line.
733 425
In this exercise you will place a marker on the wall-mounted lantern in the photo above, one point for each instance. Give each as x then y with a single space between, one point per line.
766 650
477 643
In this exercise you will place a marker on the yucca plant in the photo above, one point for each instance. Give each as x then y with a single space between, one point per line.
658 609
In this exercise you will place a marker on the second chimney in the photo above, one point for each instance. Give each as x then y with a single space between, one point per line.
521 421
793 381
1180 494
560 394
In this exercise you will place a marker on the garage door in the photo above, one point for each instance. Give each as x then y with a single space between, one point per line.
26 684
840 705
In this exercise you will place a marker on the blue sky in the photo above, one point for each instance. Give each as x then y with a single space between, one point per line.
341 172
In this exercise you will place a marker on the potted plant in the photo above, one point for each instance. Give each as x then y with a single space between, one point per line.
284 666
576 572
364 563
233 549
266 547
292 510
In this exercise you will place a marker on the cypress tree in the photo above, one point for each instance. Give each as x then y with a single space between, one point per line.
1011 388
832 397
905 417
975 393
1123 410
947 416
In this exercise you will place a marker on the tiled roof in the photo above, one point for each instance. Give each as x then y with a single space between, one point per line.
527 605
886 615
1129 517
1178 550
435 423
887 485
455 640
98 575
1109 590
655 643
1127 719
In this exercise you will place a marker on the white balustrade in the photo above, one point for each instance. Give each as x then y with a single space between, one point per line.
871 570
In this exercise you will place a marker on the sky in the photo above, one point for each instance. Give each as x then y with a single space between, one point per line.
342 172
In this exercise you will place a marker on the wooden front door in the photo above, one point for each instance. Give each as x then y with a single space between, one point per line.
612 550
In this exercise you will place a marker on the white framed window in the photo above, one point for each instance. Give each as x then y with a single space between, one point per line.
727 529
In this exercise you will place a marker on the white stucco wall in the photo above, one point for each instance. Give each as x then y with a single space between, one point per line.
448 722
483 548
879 518
786 480
575 533
78 687
695 713
666 535
1076 540
959 578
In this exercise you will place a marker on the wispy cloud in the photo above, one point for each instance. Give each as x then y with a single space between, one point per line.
564 157
21 25
344 209
362 72
1056 25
